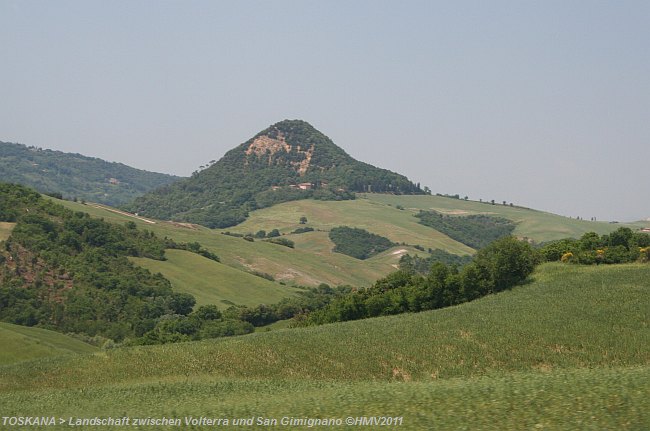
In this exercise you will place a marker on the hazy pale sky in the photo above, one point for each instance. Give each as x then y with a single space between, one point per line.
541 103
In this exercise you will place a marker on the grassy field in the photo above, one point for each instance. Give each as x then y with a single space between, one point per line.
603 399
214 283
20 343
397 225
5 230
312 261
570 350
537 225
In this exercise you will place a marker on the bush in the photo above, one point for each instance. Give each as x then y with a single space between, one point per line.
620 246
281 241
303 230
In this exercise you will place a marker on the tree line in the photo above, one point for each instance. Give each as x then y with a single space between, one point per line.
501 265
475 231
621 246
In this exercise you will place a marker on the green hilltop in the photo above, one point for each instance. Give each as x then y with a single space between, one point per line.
288 161
73 175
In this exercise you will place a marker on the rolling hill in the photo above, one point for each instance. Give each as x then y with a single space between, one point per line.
567 351
74 175
312 261
212 282
21 343
288 161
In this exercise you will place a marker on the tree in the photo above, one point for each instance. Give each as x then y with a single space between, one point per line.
303 220
508 261
208 312
181 303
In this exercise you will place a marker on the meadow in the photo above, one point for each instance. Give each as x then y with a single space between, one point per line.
312 261
537 225
569 350
21 343
212 282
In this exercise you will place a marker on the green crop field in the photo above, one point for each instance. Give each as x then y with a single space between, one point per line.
570 350
214 283
21 343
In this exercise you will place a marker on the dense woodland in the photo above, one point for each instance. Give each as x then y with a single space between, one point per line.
422 265
223 194
76 176
358 243
66 271
476 230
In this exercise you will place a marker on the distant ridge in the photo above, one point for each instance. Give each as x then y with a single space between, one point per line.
290 160
75 175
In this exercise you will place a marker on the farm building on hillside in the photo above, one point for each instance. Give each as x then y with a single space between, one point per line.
305 186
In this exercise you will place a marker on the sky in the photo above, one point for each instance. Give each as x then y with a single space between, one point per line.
545 104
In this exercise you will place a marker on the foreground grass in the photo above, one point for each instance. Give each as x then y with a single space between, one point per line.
570 317
20 343
570 350
214 283
564 400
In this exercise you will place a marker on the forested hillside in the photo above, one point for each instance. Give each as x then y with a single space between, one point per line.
66 271
76 176
287 161
476 230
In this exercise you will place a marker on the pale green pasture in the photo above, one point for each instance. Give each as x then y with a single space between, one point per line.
397 225
537 225
293 266
215 283
21 343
